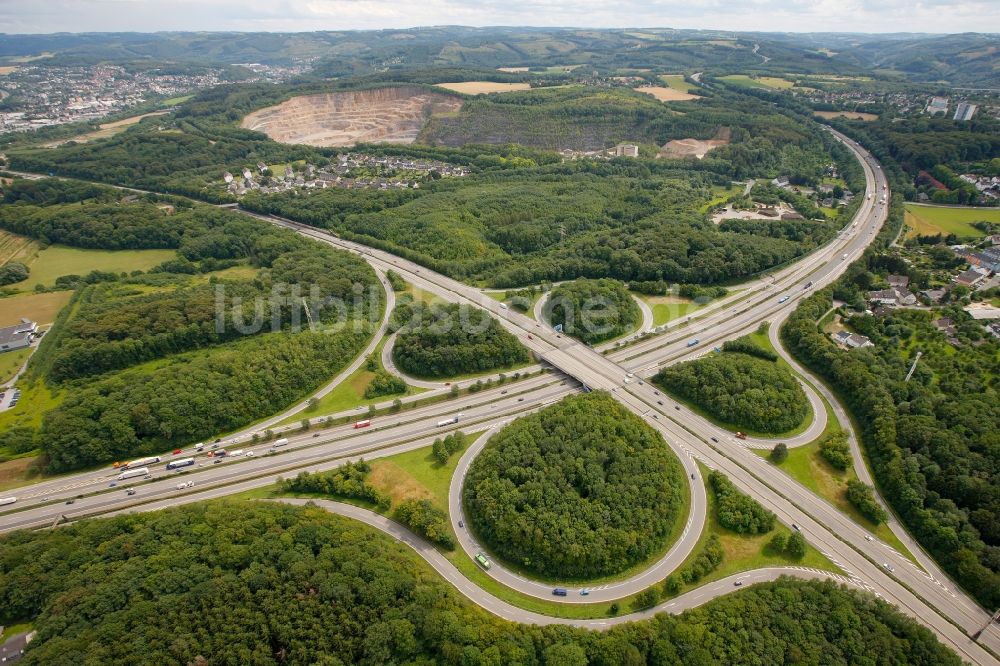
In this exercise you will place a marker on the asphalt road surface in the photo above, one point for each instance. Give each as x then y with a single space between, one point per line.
869 563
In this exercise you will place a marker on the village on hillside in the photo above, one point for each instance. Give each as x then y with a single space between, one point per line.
349 171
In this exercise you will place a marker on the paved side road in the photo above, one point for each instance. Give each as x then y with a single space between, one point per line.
13 648
508 611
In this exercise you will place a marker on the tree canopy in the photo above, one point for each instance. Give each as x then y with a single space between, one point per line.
932 441
152 361
580 489
235 583
739 390
593 310
445 340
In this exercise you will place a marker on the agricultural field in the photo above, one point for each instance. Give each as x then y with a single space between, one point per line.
16 248
107 129
58 260
768 82
665 94
677 82
945 220
39 308
482 87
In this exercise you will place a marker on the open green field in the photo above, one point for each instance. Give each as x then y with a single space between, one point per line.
11 362
720 195
668 308
677 82
933 220
57 260
767 82
39 308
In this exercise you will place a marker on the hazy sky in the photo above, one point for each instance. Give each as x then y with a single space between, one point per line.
31 16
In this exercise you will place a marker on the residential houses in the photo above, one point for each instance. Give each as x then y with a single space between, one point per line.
348 171
947 326
986 258
988 186
850 340
42 96
892 297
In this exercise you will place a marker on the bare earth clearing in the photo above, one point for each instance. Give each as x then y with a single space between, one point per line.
512 70
480 87
385 115
728 213
851 115
665 94
695 147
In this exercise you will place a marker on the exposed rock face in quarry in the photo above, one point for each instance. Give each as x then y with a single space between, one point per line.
384 115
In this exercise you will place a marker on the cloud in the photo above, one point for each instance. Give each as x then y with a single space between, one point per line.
32 16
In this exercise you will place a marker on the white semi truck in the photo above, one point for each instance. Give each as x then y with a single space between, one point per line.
133 473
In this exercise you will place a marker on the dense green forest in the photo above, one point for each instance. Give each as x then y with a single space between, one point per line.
933 441
736 511
522 217
141 411
226 583
445 340
933 151
593 310
740 390
580 489
630 221
151 361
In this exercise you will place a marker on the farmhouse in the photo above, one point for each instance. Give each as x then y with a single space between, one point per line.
17 336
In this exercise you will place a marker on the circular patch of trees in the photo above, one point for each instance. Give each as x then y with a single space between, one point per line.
740 390
593 310
583 488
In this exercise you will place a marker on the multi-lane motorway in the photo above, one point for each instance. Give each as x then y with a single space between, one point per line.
868 562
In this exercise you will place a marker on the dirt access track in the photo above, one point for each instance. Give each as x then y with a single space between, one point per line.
383 115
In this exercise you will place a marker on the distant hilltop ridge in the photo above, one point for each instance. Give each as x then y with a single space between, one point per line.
964 59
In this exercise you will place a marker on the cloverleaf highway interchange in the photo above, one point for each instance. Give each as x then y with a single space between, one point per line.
929 598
